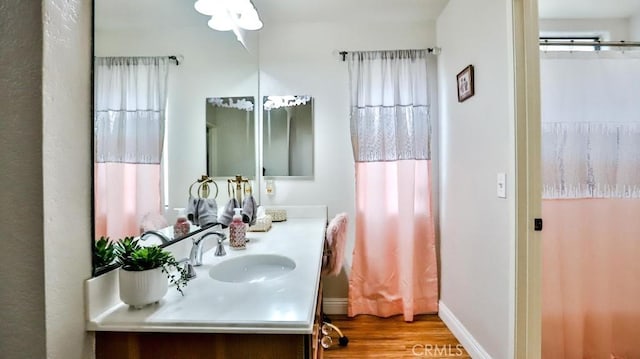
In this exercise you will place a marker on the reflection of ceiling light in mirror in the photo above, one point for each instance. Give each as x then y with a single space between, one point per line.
274 102
227 14
240 104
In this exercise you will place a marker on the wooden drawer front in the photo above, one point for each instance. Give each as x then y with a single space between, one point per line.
111 345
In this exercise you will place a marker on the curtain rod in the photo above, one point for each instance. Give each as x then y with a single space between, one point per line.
592 43
431 50
176 58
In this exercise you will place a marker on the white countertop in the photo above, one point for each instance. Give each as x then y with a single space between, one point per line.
281 305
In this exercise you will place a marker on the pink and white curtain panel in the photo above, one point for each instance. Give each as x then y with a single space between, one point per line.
129 119
394 268
591 202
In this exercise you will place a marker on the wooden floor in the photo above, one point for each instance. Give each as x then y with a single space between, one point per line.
372 337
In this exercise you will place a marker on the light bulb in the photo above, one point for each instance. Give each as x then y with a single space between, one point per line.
249 20
221 22
229 14
239 6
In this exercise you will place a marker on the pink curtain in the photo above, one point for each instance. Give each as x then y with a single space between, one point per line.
394 262
591 278
124 193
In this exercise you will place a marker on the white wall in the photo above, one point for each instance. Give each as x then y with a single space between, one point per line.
477 229
47 178
289 65
22 297
610 29
634 27
66 161
214 65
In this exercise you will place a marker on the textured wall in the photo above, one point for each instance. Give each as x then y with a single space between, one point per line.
66 162
22 312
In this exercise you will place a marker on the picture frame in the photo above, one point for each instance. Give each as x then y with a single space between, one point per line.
464 79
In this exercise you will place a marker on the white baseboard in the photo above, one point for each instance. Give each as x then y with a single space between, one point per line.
334 305
467 340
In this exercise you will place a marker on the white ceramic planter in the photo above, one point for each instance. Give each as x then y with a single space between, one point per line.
139 288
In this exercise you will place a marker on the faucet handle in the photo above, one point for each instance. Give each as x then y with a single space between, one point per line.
220 249
188 267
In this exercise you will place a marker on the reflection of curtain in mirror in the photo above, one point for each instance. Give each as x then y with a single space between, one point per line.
287 145
269 129
232 148
394 261
247 126
212 153
591 178
130 102
301 140
276 150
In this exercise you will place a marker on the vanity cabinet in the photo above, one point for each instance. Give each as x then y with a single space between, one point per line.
123 345
145 345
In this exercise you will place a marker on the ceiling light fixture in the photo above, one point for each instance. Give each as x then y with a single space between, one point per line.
229 15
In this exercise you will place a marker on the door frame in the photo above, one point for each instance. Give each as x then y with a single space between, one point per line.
528 256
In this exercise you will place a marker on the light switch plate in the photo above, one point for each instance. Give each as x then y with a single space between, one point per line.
502 185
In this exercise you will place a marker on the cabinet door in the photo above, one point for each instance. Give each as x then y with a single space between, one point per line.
126 345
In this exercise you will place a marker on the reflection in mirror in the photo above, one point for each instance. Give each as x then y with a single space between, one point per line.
288 136
167 153
230 136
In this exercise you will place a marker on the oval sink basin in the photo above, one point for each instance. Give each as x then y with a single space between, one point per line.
252 268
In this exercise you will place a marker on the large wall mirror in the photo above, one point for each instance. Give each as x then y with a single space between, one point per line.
287 145
230 133
183 64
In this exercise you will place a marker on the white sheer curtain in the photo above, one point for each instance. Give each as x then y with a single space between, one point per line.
591 177
130 104
591 125
390 105
394 267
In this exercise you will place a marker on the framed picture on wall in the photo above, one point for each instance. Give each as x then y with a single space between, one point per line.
465 83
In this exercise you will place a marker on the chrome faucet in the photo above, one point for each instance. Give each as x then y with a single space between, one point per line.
162 237
196 250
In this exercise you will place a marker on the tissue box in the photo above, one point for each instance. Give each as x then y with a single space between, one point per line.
277 215
262 224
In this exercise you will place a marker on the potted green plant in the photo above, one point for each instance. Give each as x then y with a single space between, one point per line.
103 252
145 273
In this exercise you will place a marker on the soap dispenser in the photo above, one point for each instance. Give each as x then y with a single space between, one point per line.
182 226
237 231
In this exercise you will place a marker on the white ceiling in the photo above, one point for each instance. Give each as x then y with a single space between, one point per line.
328 10
163 13
114 14
159 13
587 9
